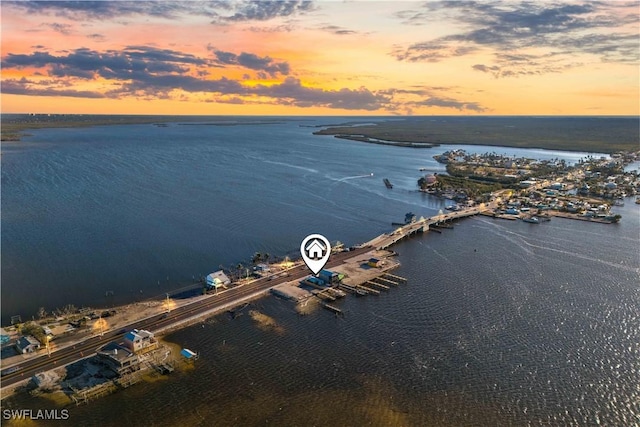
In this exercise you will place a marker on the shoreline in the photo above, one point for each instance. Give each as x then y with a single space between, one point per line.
14 128
368 140
404 132
523 132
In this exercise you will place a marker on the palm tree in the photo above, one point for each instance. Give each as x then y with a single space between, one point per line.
257 257
239 269
266 257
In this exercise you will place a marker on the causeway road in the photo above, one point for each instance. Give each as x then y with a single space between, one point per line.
211 303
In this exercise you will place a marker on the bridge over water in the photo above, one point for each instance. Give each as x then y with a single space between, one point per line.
384 241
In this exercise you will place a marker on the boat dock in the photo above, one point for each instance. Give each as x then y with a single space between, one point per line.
333 308
397 279
378 285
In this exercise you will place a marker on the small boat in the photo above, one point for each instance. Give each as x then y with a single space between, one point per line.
532 220
423 169
619 202
387 183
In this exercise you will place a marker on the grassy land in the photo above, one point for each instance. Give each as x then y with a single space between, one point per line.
591 134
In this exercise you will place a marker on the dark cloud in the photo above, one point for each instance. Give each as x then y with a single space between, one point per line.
421 90
450 103
64 29
28 87
111 9
486 68
97 37
338 30
252 61
219 11
291 92
150 73
412 17
283 28
515 27
265 10
434 51
149 53
152 85
87 64
520 64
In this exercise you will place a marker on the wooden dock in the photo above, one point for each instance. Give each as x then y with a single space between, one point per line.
332 308
368 290
398 279
379 285
385 281
323 295
352 289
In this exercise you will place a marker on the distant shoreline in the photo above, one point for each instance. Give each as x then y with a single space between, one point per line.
574 134
585 133
14 126
368 140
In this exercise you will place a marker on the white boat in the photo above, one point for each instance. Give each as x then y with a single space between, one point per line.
532 220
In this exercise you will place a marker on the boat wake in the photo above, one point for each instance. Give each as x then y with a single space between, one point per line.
354 177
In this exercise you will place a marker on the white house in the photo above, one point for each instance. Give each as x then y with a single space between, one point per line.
217 279
137 340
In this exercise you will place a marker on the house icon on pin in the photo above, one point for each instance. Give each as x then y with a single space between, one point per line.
315 249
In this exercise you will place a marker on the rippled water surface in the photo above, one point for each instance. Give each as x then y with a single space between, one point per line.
500 323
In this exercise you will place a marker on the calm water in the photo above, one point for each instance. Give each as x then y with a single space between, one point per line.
501 323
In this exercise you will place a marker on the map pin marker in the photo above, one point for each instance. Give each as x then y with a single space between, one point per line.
315 250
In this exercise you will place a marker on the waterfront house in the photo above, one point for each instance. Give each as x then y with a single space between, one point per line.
140 341
118 358
329 277
262 268
27 344
217 279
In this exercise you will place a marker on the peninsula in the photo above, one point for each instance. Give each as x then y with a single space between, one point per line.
587 134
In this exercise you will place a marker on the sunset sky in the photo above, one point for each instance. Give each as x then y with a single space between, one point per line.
321 57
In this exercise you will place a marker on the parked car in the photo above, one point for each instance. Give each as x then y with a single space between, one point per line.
11 370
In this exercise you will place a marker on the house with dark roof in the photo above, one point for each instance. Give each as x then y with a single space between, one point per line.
27 344
119 359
